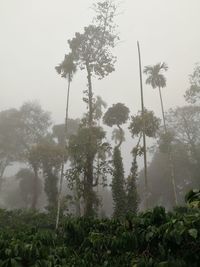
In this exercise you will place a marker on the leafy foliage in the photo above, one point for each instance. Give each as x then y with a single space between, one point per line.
67 68
192 94
88 143
20 129
118 185
154 238
116 115
147 120
131 189
193 198
156 78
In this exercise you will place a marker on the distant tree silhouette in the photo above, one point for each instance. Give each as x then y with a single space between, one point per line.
117 115
157 80
66 69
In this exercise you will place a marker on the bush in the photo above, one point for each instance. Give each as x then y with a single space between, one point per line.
154 238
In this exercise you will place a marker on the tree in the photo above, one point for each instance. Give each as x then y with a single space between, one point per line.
118 185
9 143
79 172
143 134
33 126
91 49
58 131
67 69
157 80
51 159
184 125
117 115
131 189
152 124
91 52
26 184
137 129
192 95
160 192
20 130
183 137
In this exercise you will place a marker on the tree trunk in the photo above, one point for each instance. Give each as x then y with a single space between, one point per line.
121 135
171 164
144 137
88 187
162 108
88 190
35 189
3 166
90 95
63 160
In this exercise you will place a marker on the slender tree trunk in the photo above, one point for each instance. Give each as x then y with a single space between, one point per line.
88 188
162 107
3 166
144 137
121 135
77 198
171 164
35 189
90 95
89 193
63 160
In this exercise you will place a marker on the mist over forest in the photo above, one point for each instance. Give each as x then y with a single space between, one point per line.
100 133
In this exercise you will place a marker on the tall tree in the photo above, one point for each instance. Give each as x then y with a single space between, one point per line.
137 129
118 185
91 51
117 115
67 68
157 80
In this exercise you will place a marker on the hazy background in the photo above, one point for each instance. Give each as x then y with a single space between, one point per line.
34 36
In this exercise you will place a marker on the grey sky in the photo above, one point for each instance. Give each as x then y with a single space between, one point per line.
34 36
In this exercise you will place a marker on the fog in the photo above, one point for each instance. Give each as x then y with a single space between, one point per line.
34 39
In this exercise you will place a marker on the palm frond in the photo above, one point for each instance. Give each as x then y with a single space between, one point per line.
67 67
155 77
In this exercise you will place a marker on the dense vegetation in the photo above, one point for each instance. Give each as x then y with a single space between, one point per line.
68 169
153 238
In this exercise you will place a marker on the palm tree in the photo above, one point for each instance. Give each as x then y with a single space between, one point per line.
66 69
157 80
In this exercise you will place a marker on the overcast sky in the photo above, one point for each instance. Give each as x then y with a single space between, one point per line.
34 36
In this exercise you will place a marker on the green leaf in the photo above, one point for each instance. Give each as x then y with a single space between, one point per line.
193 232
